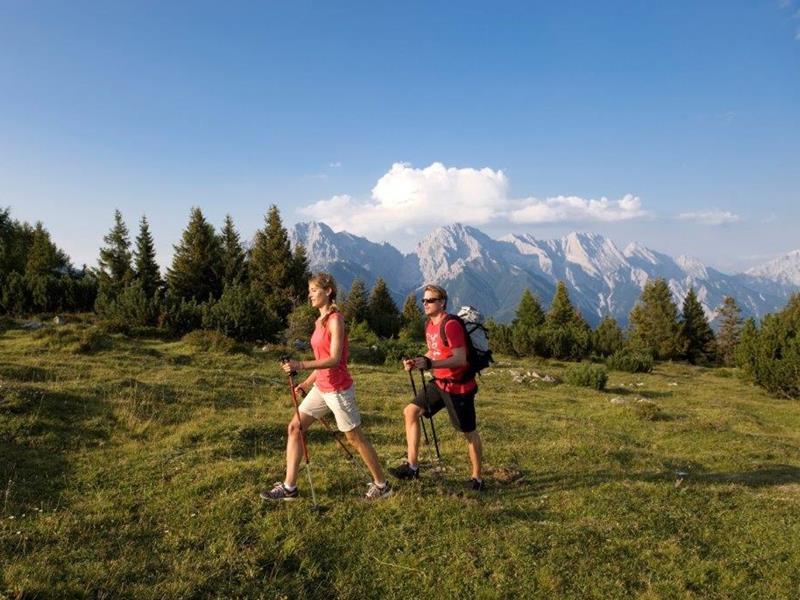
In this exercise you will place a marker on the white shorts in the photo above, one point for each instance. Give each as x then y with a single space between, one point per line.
342 404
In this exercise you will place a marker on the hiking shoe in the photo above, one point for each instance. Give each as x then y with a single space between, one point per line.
375 492
476 486
278 492
405 471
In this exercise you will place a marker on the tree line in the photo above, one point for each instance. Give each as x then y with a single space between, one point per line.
259 293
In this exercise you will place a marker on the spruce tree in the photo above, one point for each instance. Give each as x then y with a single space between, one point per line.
44 258
233 256
196 271
145 267
382 314
608 337
653 322
524 328
356 307
697 338
562 312
529 312
300 274
745 353
272 267
729 331
115 258
413 319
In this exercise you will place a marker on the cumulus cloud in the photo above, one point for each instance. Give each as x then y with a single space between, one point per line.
576 209
710 217
407 199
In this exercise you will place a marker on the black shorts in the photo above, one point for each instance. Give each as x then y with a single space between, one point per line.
460 407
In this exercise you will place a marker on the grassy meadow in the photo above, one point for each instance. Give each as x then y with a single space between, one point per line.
130 468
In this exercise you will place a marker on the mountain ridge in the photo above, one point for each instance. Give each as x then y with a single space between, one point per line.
492 273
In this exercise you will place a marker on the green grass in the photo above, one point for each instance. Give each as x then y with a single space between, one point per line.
131 468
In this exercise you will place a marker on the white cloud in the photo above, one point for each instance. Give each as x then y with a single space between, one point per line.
335 164
406 200
575 209
710 217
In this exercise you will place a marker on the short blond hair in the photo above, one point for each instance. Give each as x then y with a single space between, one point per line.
440 291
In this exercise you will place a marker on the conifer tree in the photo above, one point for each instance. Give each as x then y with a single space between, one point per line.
382 314
561 311
233 256
145 267
745 353
115 258
413 319
529 312
196 271
608 337
653 322
300 273
272 267
729 331
44 258
524 328
697 338
356 307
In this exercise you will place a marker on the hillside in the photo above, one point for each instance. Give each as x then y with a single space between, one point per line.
131 468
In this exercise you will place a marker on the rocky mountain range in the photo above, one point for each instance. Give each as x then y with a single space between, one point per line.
491 274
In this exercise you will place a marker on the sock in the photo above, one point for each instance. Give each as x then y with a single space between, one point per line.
382 485
413 467
289 488
478 479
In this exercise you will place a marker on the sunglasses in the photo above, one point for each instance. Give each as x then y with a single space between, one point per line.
430 300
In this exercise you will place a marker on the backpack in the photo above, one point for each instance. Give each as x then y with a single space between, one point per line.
479 356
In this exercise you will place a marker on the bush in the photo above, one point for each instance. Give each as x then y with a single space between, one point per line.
367 355
647 410
132 307
630 361
239 314
181 315
587 375
301 324
361 334
771 355
211 341
562 342
501 337
396 350
92 340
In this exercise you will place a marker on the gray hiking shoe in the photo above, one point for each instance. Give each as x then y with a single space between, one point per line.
405 471
376 492
278 492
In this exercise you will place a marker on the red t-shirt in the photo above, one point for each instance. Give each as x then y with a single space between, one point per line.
334 379
448 379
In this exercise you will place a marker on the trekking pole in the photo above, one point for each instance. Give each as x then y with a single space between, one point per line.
285 359
421 419
336 437
430 416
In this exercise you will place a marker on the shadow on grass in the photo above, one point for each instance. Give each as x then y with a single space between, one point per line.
766 476
644 393
38 428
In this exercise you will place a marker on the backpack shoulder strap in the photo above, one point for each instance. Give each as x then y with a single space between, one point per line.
443 335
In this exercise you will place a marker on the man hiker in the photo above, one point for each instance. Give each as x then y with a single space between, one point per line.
453 386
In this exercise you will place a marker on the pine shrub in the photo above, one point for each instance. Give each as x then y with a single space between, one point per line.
630 361
587 375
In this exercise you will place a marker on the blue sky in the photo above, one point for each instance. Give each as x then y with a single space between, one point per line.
389 119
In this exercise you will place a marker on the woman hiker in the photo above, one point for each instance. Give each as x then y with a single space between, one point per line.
329 388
